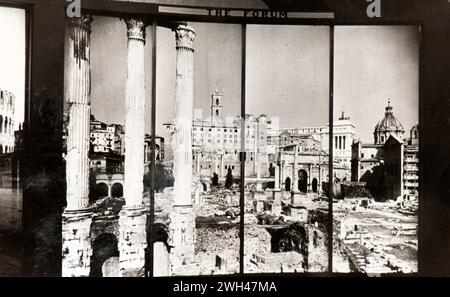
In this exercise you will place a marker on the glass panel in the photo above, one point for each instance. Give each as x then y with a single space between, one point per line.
286 142
12 110
376 173
198 111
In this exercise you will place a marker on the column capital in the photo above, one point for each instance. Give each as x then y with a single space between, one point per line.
80 30
184 35
83 22
136 28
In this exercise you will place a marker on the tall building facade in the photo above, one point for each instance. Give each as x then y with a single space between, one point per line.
7 101
106 138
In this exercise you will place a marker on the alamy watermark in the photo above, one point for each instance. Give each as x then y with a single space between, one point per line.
74 9
374 9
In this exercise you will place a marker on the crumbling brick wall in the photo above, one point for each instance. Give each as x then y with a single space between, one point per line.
217 239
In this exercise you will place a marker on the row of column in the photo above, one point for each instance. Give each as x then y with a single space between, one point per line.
339 142
132 220
78 101
6 125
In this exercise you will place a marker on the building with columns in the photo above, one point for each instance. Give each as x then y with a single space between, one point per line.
343 132
216 142
6 121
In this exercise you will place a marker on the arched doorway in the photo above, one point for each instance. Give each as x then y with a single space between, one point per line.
302 181
287 184
314 185
101 191
117 190
103 248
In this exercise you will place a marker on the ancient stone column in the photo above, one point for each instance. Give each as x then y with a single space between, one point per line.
135 114
294 173
184 97
77 218
79 111
132 220
277 175
182 217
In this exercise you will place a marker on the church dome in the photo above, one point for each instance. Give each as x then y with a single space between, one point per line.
388 125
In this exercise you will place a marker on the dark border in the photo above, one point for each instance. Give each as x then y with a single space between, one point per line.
431 48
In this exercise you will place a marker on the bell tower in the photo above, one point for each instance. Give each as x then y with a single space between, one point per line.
216 105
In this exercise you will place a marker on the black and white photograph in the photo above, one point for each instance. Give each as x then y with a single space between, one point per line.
376 149
287 85
200 143
12 107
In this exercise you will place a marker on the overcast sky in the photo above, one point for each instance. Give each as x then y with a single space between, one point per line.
12 57
372 64
287 72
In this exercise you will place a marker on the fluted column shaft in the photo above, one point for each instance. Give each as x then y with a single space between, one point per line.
135 114
78 102
184 97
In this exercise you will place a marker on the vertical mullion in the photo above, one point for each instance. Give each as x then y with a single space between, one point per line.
420 254
242 156
330 152
153 143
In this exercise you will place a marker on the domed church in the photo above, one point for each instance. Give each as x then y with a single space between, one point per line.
390 164
388 126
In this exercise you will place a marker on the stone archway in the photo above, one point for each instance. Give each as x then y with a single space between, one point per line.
302 181
104 247
287 184
101 191
117 190
314 185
